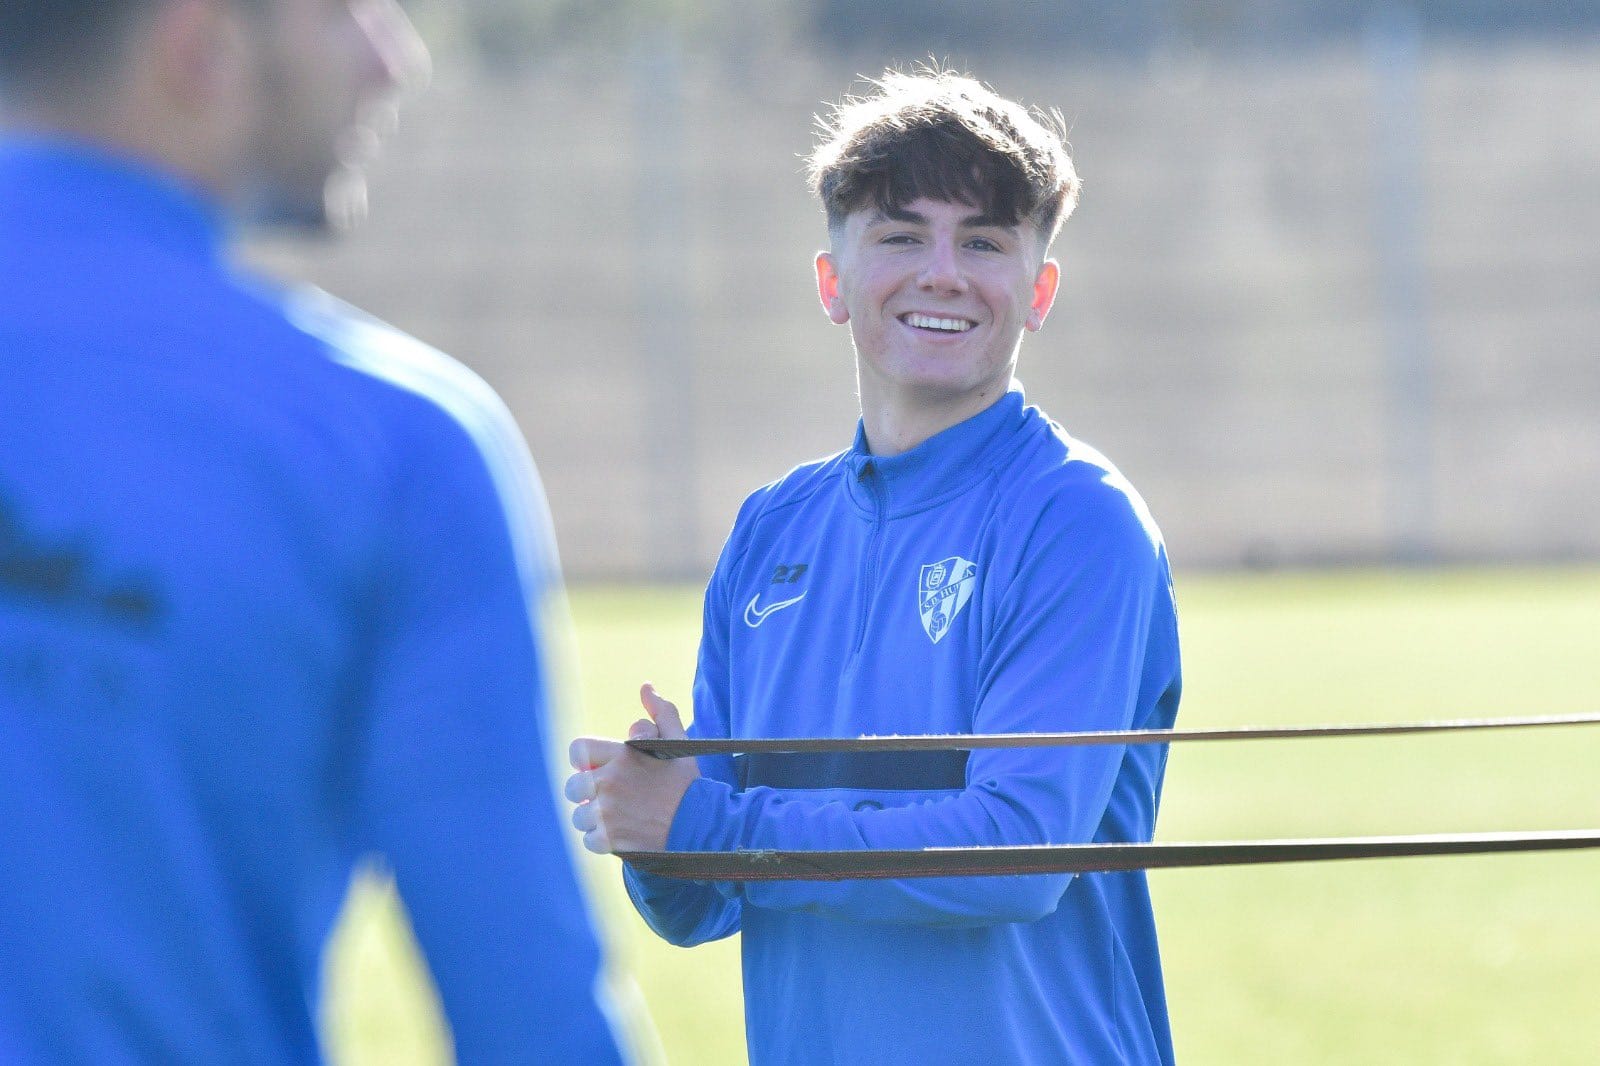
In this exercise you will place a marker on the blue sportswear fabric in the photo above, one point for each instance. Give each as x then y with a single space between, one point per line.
999 578
269 587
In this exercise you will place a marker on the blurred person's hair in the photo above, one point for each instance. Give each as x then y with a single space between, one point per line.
937 134
47 45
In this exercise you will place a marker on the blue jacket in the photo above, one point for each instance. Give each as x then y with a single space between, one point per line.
999 578
268 585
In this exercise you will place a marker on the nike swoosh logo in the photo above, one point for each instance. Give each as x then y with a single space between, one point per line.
754 617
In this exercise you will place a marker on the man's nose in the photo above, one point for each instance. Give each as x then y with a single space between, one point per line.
396 58
941 271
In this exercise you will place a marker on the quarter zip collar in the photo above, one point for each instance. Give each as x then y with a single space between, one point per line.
939 467
69 187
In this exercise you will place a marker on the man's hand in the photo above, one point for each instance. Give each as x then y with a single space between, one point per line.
626 799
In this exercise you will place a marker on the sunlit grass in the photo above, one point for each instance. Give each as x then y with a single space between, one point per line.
1482 960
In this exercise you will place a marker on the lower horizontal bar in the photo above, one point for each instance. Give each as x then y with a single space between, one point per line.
761 865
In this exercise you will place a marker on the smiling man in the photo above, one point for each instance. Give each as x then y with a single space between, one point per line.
965 566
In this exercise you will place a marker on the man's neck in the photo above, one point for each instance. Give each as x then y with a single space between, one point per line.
125 130
893 428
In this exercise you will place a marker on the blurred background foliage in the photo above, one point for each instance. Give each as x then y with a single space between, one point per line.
1138 26
511 31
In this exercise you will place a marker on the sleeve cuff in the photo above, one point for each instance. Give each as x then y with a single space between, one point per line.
698 823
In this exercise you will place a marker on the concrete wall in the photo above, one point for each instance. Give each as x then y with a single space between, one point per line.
629 265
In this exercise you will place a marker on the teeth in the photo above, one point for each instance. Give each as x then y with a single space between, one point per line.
949 325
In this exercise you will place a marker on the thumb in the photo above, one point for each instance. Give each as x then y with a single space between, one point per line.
663 711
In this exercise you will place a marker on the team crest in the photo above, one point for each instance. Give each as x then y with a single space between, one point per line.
942 591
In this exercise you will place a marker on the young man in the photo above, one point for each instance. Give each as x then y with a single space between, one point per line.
270 572
964 567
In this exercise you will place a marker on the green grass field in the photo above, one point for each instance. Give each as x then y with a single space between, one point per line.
1453 960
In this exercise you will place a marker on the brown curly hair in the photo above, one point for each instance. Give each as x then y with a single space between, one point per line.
937 134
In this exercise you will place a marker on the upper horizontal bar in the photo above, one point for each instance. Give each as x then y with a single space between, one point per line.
681 747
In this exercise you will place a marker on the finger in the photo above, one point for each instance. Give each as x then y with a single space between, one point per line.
585 817
663 711
597 841
588 753
643 728
581 787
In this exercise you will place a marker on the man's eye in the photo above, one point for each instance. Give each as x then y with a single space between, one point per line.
899 238
983 244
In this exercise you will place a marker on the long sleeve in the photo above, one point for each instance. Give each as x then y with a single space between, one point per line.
455 787
686 912
1070 617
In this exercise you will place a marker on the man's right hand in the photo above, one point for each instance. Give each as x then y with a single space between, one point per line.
627 799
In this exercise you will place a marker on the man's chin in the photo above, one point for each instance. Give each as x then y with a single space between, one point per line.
339 204
344 199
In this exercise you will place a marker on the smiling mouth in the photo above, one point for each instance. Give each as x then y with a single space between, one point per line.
934 323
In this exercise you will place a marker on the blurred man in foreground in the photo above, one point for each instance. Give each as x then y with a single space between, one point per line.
965 566
269 571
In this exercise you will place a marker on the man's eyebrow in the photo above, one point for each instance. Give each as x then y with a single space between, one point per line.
987 222
972 221
901 214
896 214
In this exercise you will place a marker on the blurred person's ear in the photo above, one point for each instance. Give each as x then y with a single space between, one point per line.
193 53
187 90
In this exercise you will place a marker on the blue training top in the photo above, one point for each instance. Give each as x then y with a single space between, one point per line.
999 578
268 585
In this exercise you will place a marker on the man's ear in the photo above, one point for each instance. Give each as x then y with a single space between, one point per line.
1044 294
828 289
194 47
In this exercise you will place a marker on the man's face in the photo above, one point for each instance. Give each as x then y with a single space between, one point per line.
323 72
937 298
